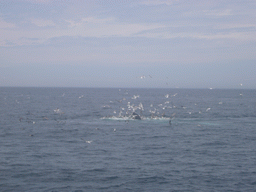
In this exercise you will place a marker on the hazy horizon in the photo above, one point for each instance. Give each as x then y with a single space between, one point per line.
123 88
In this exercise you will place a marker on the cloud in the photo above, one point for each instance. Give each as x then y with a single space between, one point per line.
5 25
86 27
39 1
43 23
107 27
111 27
198 22
90 20
157 2
218 13
218 32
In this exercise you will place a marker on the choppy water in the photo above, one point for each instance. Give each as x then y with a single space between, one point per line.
75 139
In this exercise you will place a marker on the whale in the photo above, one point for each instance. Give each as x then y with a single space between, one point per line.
135 116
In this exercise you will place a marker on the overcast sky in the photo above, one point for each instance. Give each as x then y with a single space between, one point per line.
128 43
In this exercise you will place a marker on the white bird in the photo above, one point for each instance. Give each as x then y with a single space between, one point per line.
135 96
175 94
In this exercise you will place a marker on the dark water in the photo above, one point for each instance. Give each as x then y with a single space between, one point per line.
68 139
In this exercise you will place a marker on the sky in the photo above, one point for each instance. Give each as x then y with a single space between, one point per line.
128 43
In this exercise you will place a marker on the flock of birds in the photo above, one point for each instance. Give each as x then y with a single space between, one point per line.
132 111
135 110
129 108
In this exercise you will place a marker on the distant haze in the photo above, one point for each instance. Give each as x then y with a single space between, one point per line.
130 43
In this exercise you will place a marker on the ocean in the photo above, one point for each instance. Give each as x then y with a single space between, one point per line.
109 139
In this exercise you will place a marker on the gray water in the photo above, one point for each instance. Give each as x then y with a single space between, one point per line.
85 139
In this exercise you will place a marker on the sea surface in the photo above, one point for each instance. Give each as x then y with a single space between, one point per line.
88 139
